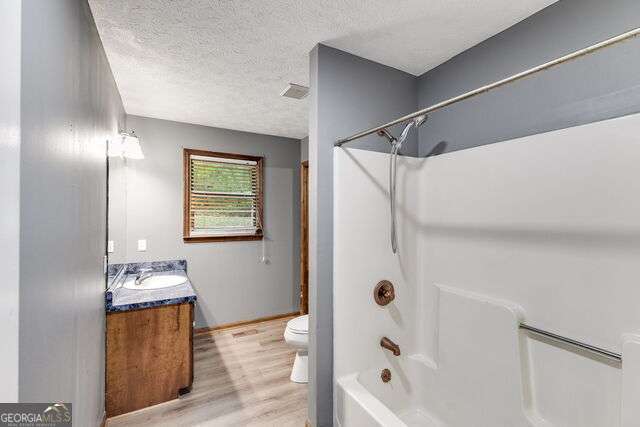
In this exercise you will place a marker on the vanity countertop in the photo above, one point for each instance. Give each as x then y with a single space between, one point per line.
120 298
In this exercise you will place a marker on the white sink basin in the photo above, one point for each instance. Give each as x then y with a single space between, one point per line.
157 281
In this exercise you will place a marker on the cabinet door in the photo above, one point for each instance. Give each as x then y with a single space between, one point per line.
149 357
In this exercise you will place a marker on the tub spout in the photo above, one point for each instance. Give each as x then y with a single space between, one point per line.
390 345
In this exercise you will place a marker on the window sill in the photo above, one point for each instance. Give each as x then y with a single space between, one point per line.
229 238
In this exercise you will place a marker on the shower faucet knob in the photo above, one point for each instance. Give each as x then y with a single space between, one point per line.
384 293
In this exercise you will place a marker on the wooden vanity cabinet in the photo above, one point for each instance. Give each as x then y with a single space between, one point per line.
149 356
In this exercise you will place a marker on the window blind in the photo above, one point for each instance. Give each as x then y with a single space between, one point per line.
224 197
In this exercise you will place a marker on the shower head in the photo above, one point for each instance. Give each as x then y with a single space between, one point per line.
396 144
414 123
419 120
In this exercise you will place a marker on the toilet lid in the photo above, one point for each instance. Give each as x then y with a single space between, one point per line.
299 325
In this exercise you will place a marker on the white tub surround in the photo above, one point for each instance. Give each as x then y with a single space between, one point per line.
542 229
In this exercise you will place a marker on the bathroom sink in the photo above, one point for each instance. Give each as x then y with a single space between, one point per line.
157 281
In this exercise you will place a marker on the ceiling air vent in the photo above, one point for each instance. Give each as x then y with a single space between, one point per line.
295 91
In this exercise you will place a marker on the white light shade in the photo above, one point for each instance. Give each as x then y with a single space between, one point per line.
131 148
128 146
114 147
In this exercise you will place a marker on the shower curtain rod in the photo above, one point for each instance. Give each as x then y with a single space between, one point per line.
578 53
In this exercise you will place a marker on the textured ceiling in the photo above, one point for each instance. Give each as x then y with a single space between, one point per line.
224 63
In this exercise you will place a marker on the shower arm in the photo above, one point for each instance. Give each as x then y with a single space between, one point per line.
385 134
577 54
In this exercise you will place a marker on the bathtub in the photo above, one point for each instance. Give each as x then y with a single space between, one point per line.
363 399
481 376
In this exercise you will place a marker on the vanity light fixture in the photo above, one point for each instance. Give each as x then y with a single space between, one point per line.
126 146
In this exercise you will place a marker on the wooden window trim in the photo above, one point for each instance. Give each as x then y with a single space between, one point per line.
186 229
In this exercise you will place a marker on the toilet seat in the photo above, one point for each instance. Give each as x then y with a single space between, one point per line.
299 325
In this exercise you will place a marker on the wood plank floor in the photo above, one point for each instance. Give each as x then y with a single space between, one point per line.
241 378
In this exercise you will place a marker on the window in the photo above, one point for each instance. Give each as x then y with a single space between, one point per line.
222 196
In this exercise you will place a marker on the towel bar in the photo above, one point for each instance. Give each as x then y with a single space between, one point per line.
588 347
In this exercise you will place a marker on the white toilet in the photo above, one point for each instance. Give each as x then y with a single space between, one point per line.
296 334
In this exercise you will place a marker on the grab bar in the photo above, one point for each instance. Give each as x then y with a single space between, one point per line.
591 348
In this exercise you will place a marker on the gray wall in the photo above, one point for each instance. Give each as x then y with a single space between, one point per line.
304 149
69 108
365 94
347 94
600 86
231 280
10 11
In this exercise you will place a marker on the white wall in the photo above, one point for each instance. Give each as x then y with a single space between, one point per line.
547 223
10 27
230 278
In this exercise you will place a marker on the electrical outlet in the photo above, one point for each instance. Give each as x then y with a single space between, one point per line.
142 245
110 246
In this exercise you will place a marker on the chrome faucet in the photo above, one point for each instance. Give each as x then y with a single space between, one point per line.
390 345
143 275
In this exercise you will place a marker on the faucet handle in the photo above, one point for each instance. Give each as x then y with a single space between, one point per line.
384 293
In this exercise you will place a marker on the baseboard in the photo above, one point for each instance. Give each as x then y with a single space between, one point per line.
245 322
